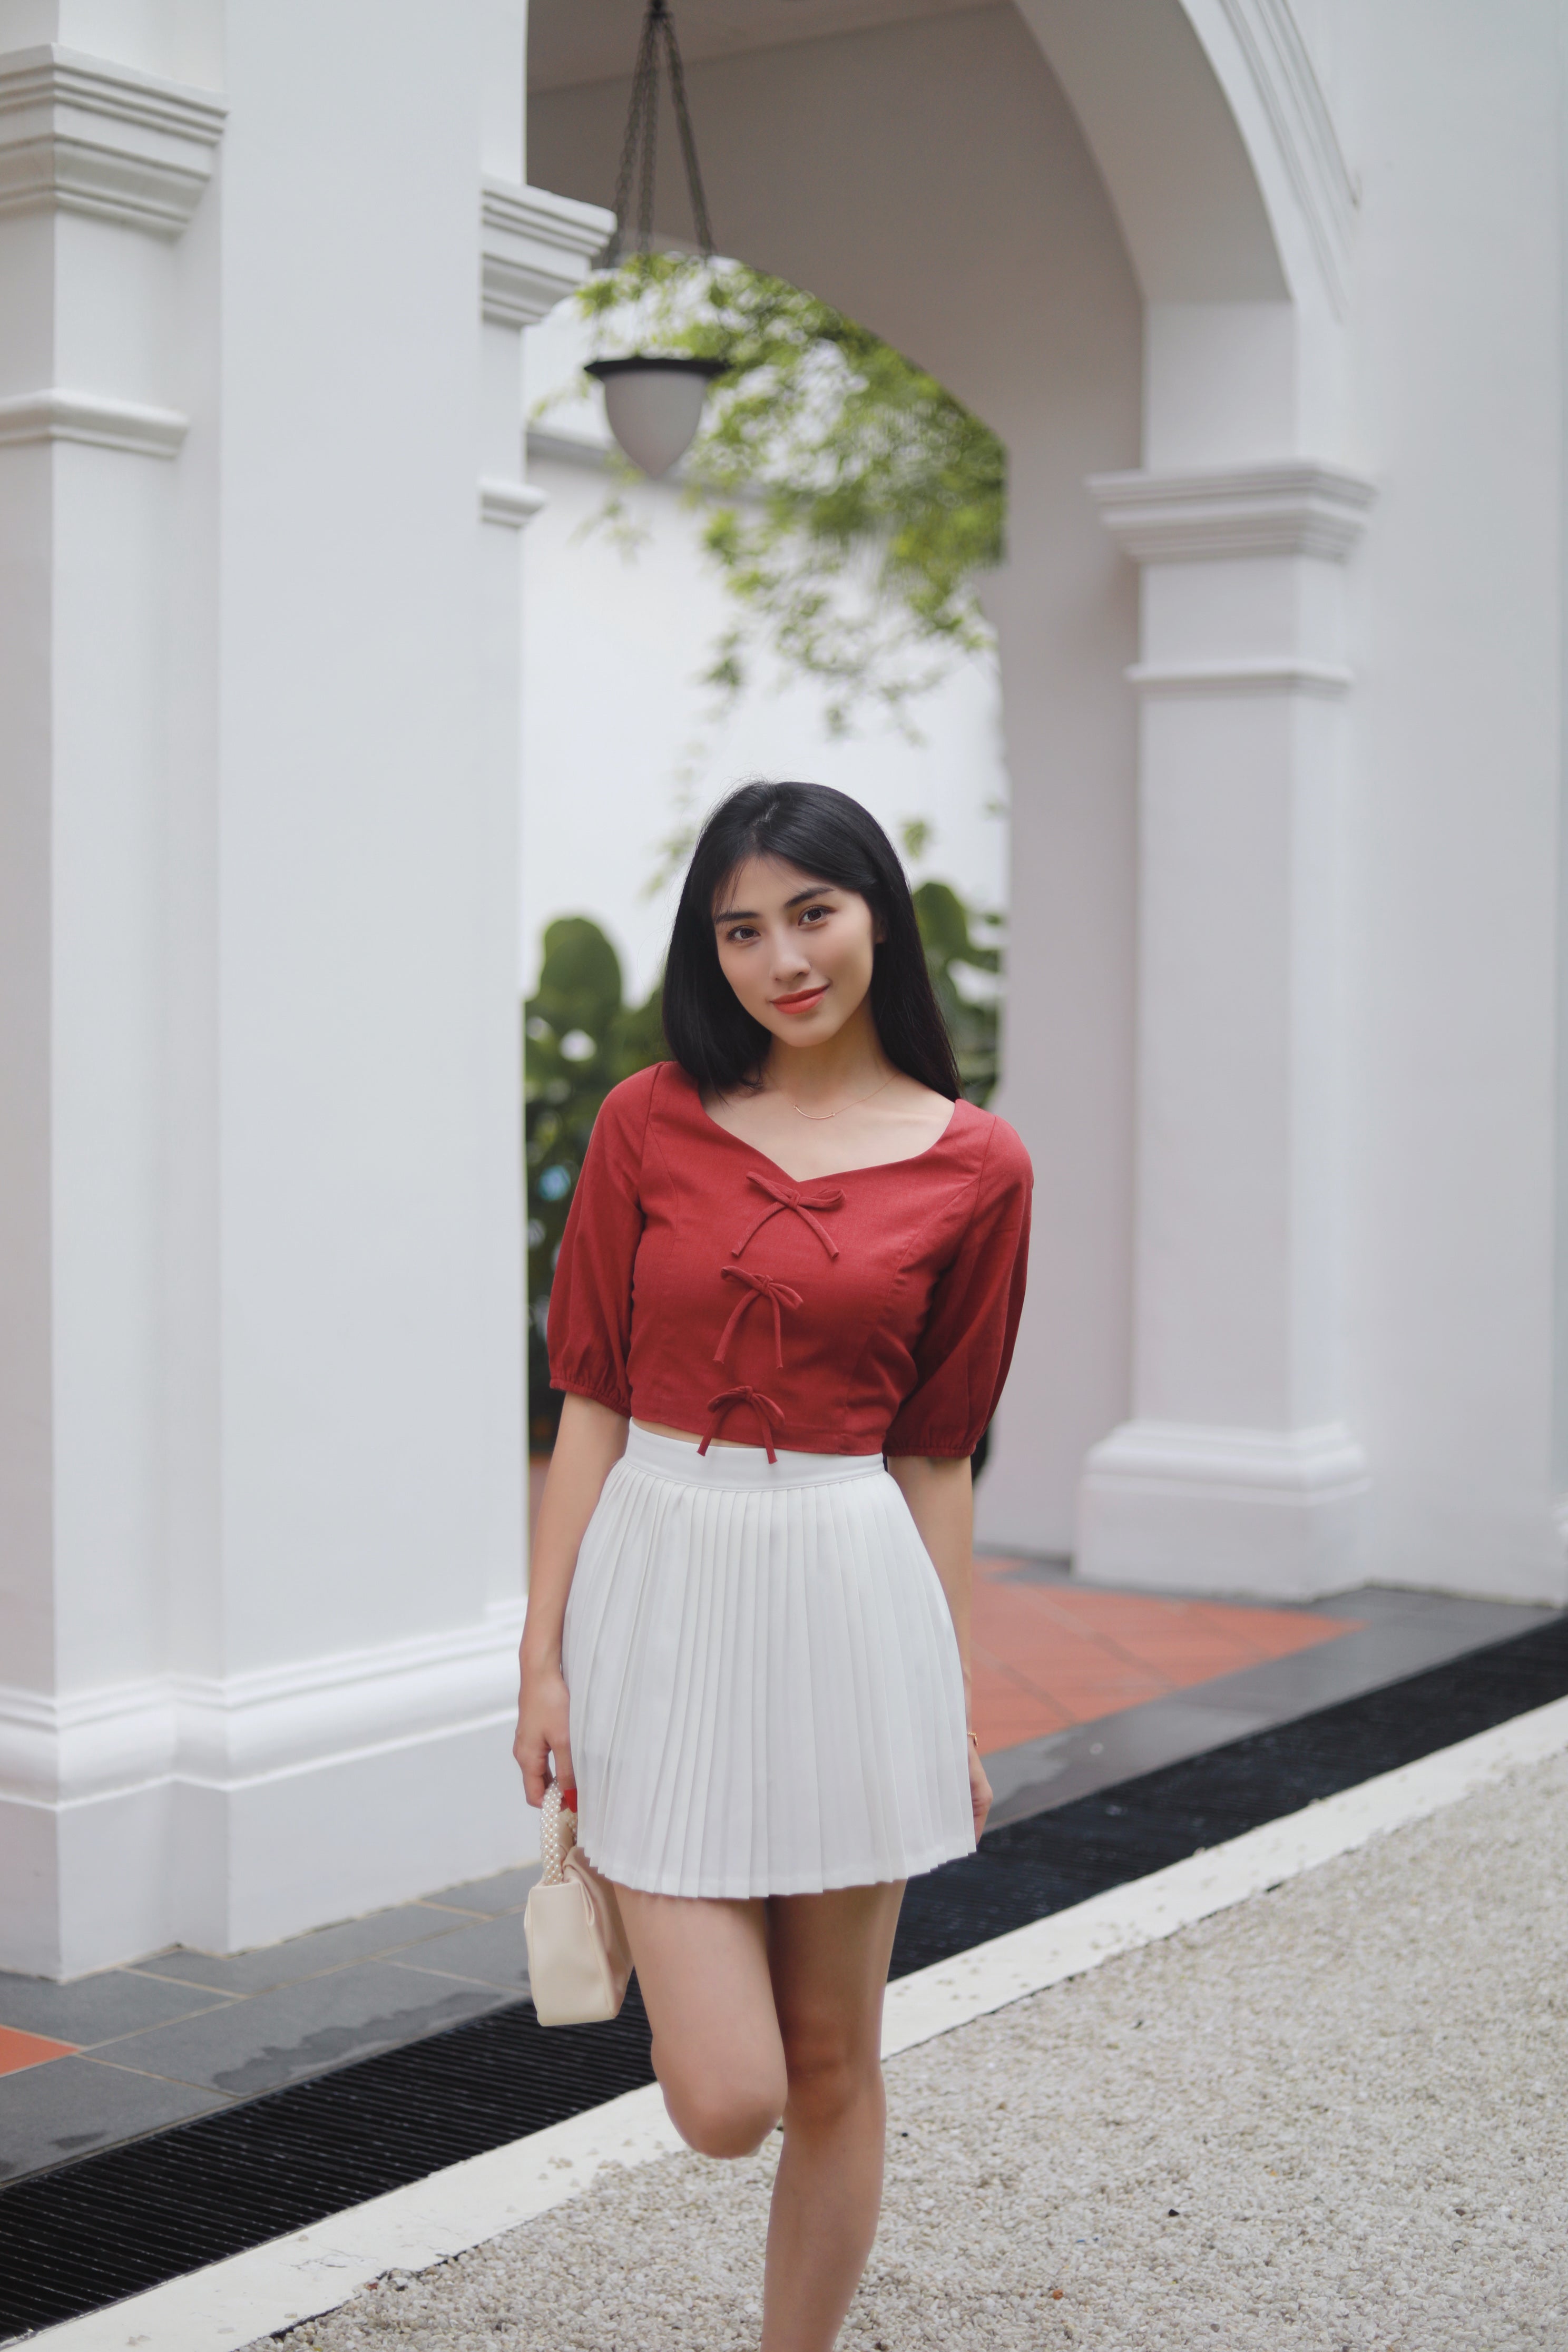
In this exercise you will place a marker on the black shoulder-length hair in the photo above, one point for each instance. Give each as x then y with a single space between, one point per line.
831 837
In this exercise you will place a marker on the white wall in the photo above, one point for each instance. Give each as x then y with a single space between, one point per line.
1458 325
930 180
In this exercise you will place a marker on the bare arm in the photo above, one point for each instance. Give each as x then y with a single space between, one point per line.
591 1441
941 1496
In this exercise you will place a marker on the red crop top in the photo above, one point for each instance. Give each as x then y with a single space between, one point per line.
870 1312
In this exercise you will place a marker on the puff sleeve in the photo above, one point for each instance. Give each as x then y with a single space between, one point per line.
590 1329
963 1352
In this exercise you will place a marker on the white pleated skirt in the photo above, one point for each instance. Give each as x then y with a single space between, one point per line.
766 1686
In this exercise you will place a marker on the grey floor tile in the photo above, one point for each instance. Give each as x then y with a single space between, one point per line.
299 2029
1416 1631
490 1951
1375 1604
1065 1764
71 2105
306 1956
508 1891
97 2008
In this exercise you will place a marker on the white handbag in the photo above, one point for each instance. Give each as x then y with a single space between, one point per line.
578 1958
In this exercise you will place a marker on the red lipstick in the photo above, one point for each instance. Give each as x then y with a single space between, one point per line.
801 1002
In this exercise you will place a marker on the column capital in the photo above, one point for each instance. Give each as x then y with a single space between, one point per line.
1289 506
536 247
79 135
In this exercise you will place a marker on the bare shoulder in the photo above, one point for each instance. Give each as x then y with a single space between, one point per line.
919 1109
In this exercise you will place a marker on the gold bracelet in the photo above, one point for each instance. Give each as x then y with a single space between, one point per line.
975 1736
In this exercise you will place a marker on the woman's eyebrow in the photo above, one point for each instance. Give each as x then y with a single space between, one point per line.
749 914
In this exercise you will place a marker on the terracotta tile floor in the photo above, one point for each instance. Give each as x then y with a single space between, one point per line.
1048 1656
18 2050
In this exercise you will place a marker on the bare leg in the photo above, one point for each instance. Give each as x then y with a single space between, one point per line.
828 1956
703 1969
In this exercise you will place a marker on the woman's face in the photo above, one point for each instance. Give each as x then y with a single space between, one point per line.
796 951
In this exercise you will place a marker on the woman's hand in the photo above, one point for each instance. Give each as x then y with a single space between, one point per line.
589 1444
543 1727
979 1790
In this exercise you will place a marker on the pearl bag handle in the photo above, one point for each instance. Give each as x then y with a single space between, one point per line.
578 1956
557 1834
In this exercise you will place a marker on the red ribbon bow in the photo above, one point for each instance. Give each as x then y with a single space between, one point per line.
769 1417
759 1285
798 1201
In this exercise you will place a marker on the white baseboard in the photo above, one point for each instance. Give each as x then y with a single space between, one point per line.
1276 1514
226 1814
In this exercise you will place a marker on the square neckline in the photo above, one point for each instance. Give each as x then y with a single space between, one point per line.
833 1176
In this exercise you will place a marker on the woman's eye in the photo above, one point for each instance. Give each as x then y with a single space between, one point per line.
812 911
740 935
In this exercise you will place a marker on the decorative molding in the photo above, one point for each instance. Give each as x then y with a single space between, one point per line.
234 1732
84 416
1174 1508
1178 680
510 504
1287 1467
1293 506
80 135
1286 80
570 448
535 248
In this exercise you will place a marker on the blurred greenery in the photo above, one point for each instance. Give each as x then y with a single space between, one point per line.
851 504
582 1038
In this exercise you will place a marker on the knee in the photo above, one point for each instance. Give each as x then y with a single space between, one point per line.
723 2119
829 2076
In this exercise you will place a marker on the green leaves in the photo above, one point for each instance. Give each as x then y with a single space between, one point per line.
581 1040
851 501
956 960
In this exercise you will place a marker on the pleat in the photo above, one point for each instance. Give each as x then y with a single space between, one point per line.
765 1688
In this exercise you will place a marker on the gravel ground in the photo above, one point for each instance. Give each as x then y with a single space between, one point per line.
1335 2117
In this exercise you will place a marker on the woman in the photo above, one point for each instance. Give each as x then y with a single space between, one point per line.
793 1250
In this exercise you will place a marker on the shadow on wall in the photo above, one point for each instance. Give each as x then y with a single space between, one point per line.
581 1038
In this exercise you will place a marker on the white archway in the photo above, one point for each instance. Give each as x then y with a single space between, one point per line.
974 232
1236 1468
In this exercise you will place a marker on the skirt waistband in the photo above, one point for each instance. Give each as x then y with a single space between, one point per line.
743 1466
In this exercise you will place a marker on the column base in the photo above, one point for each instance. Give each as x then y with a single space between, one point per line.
225 1815
1273 1514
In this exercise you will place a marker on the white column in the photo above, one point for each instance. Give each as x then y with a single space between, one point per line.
102 166
261 1317
534 249
1236 1470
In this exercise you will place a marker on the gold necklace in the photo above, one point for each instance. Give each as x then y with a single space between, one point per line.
819 1116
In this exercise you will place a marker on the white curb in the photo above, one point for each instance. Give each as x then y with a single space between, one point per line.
230 2304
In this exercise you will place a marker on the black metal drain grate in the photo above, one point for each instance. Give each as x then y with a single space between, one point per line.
109 2225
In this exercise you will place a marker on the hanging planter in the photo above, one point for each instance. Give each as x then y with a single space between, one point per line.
654 400
655 405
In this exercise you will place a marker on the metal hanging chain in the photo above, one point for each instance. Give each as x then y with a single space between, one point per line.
688 143
642 134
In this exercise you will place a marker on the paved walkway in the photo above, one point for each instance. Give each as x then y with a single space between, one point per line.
1075 1688
1334 2119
